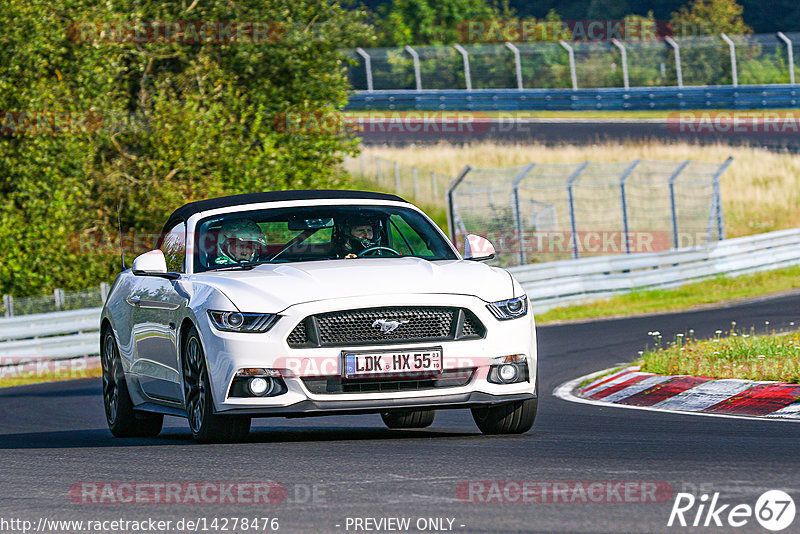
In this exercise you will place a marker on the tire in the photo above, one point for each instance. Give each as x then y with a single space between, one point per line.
122 419
515 417
408 418
206 426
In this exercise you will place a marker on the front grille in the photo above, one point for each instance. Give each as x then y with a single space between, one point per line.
299 334
416 324
451 378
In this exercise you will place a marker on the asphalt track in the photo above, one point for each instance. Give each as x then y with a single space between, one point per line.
54 435
783 135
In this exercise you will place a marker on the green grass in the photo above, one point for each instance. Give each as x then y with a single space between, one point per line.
589 114
586 381
711 291
737 355
10 378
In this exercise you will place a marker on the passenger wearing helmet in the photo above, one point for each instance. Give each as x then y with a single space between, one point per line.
240 241
357 234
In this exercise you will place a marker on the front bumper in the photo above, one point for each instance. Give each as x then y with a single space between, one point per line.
311 408
228 352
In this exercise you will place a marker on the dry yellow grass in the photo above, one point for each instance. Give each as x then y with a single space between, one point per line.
760 191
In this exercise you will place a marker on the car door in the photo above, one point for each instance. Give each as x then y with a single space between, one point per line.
157 304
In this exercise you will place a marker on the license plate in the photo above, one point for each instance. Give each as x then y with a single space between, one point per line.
358 364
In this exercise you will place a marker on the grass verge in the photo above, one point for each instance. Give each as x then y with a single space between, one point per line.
711 291
736 355
21 377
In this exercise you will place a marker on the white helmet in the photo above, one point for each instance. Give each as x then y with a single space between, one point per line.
236 232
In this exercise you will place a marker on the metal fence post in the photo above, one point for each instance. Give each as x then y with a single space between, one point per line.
517 215
733 58
570 182
396 177
573 73
433 185
624 54
8 304
367 66
672 204
415 175
103 291
517 64
678 67
58 296
712 212
465 57
451 222
417 75
361 164
378 166
790 53
718 195
622 179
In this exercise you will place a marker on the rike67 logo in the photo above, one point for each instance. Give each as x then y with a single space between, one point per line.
774 510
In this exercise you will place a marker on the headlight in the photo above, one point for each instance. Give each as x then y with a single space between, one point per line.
242 322
509 309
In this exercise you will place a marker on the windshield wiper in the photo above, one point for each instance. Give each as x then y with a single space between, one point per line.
239 267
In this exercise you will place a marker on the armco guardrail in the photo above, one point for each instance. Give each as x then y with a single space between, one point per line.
48 336
559 283
617 99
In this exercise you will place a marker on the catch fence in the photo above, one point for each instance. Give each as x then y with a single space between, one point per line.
552 211
703 60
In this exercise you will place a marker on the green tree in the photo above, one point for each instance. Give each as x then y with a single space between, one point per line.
431 22
702 17
705 56
176 121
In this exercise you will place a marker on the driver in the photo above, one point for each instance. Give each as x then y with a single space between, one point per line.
359 233
240 241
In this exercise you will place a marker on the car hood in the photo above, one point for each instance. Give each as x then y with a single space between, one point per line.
272 288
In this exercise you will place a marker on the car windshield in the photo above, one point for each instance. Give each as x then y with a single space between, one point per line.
245 239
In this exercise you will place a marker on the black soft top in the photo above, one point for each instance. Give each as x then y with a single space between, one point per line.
187 210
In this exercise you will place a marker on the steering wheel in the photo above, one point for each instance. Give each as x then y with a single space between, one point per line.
378 248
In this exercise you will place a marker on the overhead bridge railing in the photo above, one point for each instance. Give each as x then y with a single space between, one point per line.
561 283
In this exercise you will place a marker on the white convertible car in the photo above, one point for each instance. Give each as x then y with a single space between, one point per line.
303 303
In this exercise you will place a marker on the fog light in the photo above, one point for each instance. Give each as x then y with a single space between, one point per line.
259 386
507 373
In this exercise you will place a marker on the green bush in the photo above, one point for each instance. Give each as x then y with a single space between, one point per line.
170 122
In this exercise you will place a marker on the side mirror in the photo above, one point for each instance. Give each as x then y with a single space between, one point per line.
477 248
152 263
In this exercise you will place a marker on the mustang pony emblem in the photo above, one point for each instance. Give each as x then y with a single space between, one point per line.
388 326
